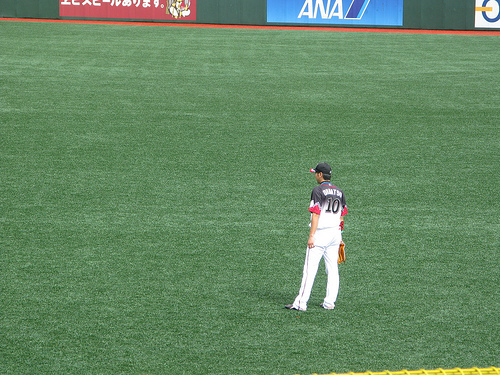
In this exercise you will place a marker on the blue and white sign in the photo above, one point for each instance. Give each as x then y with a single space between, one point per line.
336 12
487 13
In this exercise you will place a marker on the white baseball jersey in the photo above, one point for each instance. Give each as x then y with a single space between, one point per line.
328 201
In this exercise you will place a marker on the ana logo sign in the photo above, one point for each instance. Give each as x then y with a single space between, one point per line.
354 12
487 13
333 9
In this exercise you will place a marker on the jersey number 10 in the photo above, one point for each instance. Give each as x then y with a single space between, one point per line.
333 205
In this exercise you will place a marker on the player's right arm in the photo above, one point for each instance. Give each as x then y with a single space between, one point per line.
314 226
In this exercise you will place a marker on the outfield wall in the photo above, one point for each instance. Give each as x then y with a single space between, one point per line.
409 14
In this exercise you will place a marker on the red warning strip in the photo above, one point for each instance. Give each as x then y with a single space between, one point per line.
346 29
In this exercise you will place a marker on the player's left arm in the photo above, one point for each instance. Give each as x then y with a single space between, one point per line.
342 214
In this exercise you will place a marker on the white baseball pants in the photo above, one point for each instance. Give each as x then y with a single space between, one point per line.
326 247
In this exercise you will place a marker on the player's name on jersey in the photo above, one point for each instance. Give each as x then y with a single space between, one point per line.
332 192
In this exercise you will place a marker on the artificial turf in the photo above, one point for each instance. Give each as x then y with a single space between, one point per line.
154 189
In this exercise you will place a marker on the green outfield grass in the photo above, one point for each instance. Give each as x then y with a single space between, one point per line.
154 189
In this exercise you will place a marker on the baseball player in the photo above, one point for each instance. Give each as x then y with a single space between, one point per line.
327 207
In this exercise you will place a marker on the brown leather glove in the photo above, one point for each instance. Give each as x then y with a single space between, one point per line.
341 253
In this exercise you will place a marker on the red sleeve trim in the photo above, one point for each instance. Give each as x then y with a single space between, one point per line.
344 211
315 209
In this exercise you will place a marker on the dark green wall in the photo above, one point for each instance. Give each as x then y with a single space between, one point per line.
439 14
29 8
417 14
232 12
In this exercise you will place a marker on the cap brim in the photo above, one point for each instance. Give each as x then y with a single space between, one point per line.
312 170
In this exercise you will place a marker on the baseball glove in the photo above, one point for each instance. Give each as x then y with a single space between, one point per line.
341 253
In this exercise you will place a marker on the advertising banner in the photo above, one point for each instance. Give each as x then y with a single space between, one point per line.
336 12
184 10
487 13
